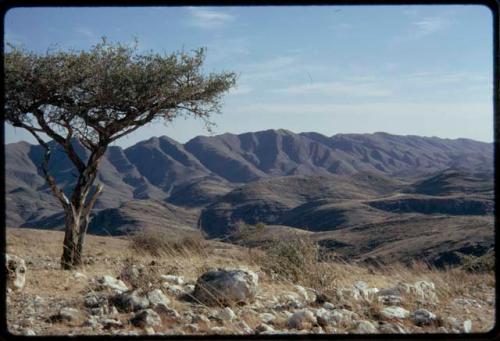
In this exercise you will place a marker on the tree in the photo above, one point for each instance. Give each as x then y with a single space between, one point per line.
96 97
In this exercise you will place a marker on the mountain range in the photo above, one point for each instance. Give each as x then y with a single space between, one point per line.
307 181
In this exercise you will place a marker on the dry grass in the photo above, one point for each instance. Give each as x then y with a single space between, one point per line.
280 267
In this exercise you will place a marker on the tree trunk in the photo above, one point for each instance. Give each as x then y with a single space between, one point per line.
71 257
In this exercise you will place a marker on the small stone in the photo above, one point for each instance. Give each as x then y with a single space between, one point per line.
108 282
69 314
226 314
133 301
15 270
328 305
365 327
263 328
394 313
267 317
392 328
442 330
301 319
111 323
191 328
423 317
302 291
218 330
146 318
79 275
467 326
149 330
28 332
179 280
157 297
245 328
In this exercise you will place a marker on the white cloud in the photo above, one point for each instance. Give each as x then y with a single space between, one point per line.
338 88
429 25
208 19
85 31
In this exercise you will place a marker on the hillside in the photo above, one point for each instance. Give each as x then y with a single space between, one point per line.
197 173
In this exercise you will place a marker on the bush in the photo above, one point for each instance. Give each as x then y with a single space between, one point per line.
160 243
484 263
291 259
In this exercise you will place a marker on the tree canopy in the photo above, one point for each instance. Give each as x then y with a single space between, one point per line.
96 97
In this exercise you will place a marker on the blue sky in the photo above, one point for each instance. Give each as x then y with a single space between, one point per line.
409 70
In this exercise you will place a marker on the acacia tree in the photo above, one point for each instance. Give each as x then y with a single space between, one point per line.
96 97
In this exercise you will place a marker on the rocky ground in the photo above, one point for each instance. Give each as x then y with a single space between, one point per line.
219 288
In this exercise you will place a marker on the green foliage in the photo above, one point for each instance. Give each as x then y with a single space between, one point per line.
108 90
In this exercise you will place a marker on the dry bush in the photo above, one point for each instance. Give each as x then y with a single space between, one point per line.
159 243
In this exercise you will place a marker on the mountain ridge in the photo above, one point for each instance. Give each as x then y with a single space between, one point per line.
207 167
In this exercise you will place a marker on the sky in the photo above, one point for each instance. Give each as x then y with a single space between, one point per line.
406 70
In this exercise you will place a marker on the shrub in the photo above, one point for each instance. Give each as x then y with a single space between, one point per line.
161 243
291 259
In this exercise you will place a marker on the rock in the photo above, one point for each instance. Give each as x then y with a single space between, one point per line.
95 300
328 305
15 270
130 301
290 300
302 292
67 314
91 322
423 317
149 331
466 302
394 313
323 316
442 330
28 332
178 280
132 273
344 316
157 298
79 275
264 328
226 287
109 323
162 309
392 328
188 288
467 326
245 328
360 285
191 328
226 314
453 322
146 318
323 298
267 317
301 319
200 318
365 327
390 299
173 289
108 282
218 330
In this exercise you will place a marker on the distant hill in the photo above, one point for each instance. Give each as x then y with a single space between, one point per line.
200 172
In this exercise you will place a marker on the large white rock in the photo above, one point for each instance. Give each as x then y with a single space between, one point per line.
157 298
15 269
109 282
226 287
394 313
